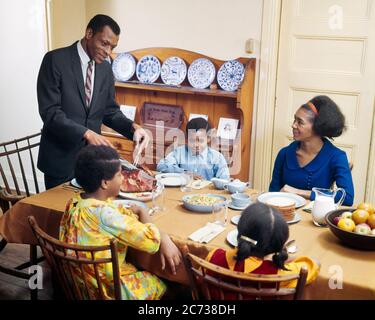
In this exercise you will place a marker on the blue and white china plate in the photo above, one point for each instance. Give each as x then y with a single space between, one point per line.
200 207
173 71
230 75
272 196
201 73
172 179
123 66
148 69
75 183
126 203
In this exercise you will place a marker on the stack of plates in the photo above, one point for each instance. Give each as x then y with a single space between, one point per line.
285 206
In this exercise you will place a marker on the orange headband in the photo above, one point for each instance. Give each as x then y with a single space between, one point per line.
312 107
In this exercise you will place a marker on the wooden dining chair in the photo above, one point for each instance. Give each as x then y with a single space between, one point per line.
66 259
17 158
210 281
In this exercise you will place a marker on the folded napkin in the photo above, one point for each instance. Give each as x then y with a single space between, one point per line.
207 233
199 184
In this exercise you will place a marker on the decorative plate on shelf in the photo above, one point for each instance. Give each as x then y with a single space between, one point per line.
148 69
173 71
230 75
123 66
201 73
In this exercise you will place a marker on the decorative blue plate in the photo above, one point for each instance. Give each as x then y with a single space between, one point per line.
200 207
230 75
123 66
173 71
201 73
148 69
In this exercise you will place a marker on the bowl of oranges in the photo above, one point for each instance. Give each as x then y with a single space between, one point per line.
355 227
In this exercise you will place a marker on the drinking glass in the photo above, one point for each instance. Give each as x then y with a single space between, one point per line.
157 199
186 180
220 213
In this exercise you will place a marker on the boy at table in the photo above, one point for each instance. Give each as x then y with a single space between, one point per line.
196 156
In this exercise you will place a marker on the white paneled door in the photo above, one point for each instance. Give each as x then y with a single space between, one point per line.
328 47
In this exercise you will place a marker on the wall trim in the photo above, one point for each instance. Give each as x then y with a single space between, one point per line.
266 93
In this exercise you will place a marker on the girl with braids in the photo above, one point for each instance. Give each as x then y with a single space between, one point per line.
262 234
92 219
311 160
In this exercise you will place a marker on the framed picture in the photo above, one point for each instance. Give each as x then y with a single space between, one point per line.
197 115
227 128
128 111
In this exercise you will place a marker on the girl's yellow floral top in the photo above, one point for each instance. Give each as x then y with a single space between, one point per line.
94 222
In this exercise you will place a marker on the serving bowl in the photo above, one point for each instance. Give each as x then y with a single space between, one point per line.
351 239
186 200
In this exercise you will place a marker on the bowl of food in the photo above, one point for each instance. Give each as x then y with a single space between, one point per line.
355 227
202 202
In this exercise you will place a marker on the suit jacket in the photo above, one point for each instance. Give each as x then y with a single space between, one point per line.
62 107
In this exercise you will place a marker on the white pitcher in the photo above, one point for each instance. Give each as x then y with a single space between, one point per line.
324 203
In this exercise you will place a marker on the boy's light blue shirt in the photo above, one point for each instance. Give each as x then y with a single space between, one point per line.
209 164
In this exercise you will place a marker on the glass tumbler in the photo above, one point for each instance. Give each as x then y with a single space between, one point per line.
220 213
157 199
186 180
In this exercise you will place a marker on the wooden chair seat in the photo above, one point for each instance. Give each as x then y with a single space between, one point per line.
17 158
65 259
210 281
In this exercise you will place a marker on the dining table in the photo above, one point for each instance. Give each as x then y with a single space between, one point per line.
345 273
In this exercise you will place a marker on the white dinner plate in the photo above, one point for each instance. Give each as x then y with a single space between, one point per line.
74 183
126 203
297 218
268 196
172 179
235 219
141 196
201 73
232 237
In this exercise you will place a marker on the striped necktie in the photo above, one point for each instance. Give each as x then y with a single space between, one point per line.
88 83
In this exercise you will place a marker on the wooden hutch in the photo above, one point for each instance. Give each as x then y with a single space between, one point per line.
214 102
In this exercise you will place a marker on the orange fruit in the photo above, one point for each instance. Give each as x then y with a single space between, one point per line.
360 216
366 206
346 224
371 221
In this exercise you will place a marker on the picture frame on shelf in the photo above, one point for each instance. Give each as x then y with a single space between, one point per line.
197 115
128 111
227 128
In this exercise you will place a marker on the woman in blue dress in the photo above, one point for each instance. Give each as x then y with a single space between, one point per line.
312 160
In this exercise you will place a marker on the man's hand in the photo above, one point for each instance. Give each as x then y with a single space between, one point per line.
170 253
141 138
93 138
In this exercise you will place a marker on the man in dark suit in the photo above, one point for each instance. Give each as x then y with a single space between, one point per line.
76 95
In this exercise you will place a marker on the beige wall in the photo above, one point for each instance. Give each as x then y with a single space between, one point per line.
218 28
67 21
